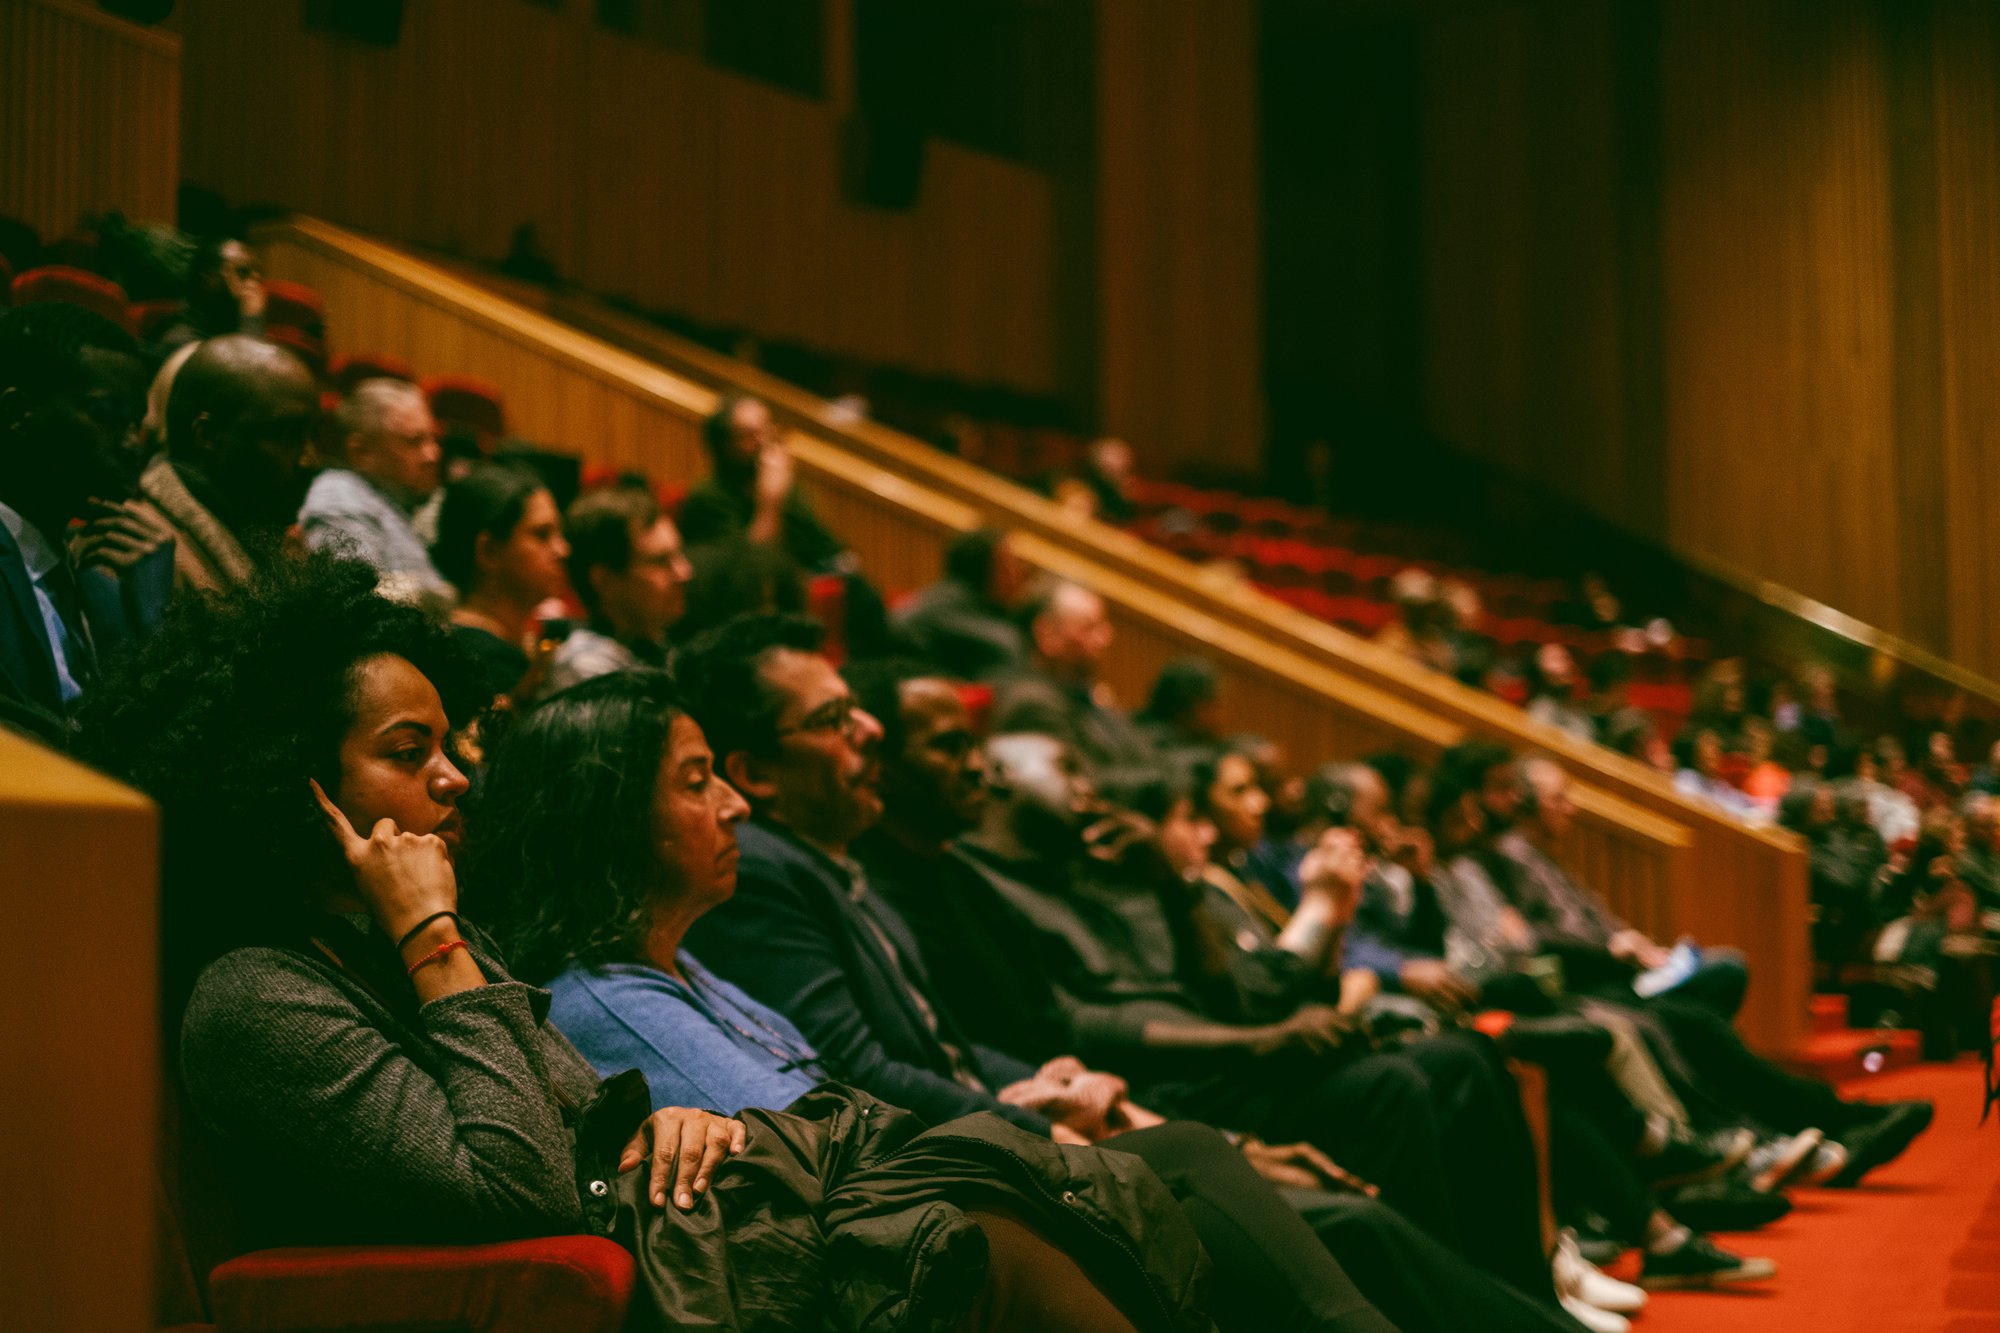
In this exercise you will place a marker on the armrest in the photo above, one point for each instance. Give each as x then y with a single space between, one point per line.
581 1283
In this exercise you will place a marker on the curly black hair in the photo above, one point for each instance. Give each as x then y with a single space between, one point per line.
223 714
564 871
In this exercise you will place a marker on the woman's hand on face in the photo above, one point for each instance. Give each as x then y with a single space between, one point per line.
686 1146
402 877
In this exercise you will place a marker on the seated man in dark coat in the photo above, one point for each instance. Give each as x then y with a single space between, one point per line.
71 393
965 622
1060 695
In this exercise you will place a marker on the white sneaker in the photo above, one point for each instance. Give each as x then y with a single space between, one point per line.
1773 1164
1594 1319
1577 1276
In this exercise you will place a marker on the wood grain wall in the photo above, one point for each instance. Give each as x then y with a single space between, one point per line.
1180 357
646 173
1725 272
89 115
79 978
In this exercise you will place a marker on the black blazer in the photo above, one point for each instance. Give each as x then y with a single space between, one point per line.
28 680
794 938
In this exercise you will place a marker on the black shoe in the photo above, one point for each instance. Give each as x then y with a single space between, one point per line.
1699 1263
1728 1204
1687 1159
1881 1138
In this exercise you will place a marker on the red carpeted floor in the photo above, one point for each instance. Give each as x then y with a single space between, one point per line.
1916 1249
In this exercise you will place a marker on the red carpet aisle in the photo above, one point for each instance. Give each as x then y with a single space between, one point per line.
1915 1250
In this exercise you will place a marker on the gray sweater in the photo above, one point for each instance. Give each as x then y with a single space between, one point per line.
342 1119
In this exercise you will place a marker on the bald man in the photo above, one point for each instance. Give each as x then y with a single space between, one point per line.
1060 695
239 417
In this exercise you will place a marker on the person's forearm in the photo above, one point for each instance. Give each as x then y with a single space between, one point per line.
1313 933
767 524
440 974
1165 1035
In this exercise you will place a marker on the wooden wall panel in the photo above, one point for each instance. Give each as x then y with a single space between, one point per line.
1724 272
89 115
1966 88
1779 270
646 173
79 979
1180 363
1523 284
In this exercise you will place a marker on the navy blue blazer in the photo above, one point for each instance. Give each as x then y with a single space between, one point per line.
793 937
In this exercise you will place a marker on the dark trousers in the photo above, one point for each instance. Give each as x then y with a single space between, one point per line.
1407 1275
1732 1082
1437 1124
1271 1271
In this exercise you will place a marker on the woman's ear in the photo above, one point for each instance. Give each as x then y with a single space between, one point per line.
747 774
485 552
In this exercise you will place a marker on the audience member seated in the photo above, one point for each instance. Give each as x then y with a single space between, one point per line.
70 395
386 468
738 577
750 494
500 543
1422 628
1931 947
225 294
349 1024
1135 981
968 621
1700 754
1552 682
1107 470
240 418
153 430
750 491
1182 719
1060 695
627 569
629 996
1696 1011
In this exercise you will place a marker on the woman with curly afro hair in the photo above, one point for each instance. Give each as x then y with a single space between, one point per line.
368 1071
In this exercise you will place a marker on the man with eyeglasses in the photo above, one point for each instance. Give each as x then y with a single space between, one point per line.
71 393
240 417
387 467
627 567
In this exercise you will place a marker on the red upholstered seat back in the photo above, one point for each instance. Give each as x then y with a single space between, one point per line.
72 286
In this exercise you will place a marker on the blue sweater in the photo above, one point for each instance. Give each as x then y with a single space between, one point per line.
720 1056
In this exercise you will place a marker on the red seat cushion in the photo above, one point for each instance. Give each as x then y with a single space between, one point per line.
579 1283
463 400
348 371
72 286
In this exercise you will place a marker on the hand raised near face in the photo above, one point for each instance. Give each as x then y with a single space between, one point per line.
402 877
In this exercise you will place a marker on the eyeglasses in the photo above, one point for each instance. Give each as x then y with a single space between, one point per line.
842 715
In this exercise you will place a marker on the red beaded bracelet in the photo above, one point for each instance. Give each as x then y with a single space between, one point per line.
438 953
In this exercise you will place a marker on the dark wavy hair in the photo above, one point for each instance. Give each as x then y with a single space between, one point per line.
222 715
486 502
559 860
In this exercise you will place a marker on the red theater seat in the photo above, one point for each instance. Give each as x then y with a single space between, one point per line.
348 371
72 286
467 402
148 319
293 305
